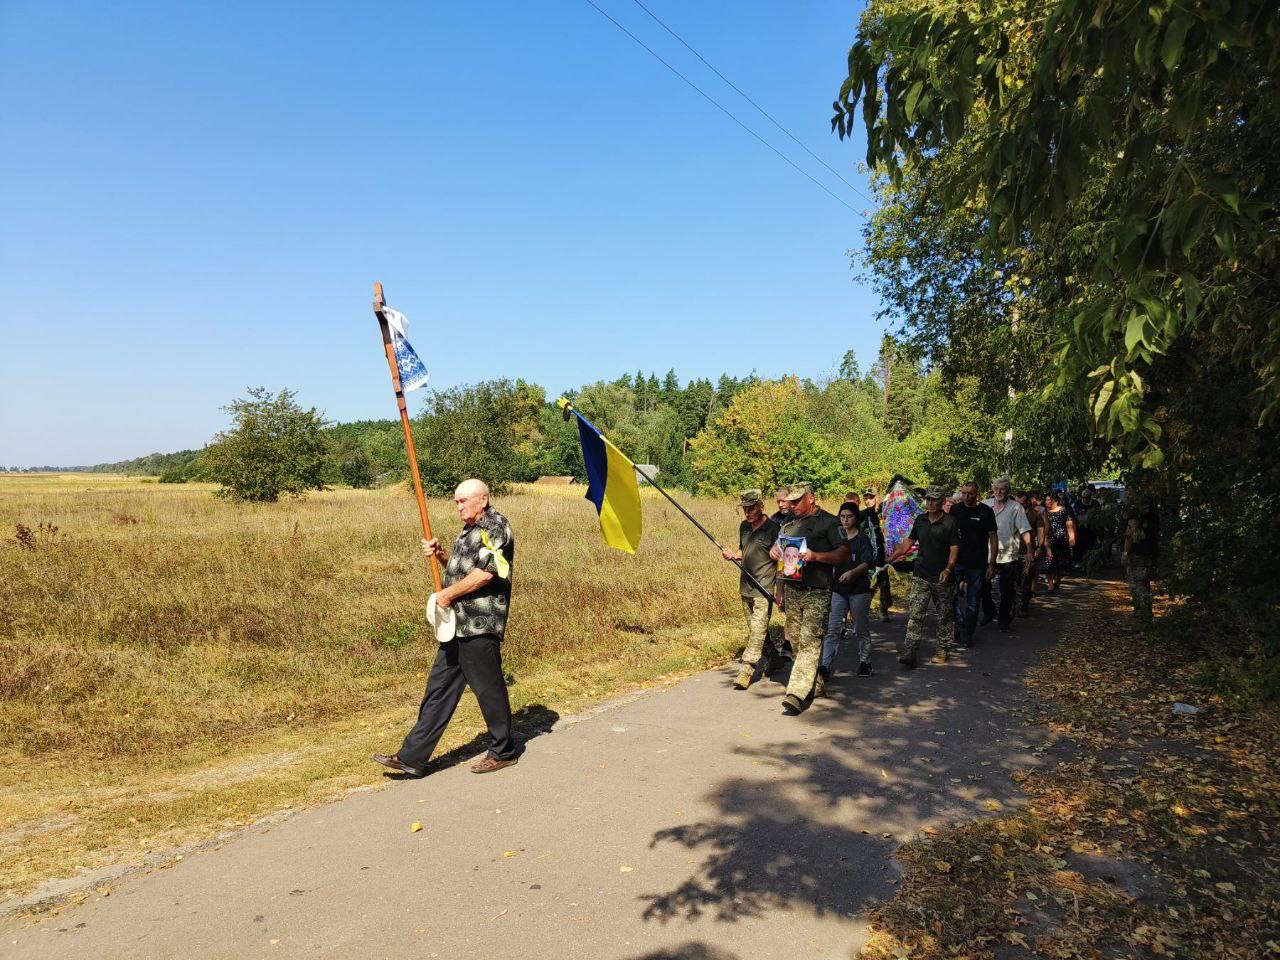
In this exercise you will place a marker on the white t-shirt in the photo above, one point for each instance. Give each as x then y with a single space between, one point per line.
1011 524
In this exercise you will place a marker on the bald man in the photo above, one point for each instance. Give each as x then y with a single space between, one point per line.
477 587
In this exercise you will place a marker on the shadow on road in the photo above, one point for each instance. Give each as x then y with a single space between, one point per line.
529 722
690 951
816 828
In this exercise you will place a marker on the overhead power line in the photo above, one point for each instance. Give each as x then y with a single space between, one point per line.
725 110
742 93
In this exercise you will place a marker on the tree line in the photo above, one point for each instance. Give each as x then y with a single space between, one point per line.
712 437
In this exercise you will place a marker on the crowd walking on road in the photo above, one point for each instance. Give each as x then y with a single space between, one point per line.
968 561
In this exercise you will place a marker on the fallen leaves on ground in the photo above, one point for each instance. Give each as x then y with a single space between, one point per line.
1157 838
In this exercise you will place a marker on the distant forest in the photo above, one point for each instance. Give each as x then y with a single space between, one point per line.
850 428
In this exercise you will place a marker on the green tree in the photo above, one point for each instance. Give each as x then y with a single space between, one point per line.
487 430
1143 142
356 469
1078 211
762 439
273 447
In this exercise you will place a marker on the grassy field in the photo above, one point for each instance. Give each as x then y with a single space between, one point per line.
172 663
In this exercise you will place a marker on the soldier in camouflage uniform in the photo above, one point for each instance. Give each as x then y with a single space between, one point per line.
938 537
477 587
808 599
756 537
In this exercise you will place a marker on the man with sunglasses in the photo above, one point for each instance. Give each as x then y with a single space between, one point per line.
937 534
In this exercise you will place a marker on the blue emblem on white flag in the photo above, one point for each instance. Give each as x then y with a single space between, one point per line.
413 372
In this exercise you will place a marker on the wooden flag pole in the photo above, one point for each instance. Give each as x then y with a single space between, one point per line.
379 305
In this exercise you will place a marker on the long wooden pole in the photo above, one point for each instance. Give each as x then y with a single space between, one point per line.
379 304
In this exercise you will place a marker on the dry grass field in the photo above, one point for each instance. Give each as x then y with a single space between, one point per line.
172 664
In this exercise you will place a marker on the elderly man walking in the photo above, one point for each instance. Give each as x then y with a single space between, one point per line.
756 537
477 587
938 535
807 597
1013 536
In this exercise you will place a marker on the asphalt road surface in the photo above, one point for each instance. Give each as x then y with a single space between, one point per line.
693 821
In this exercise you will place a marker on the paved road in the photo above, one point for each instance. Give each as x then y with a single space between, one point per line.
693 822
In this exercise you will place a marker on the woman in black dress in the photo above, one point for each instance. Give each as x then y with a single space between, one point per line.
1060 538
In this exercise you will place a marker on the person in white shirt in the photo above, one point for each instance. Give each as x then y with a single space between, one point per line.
1013 537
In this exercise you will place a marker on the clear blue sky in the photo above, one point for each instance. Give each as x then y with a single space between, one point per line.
197 198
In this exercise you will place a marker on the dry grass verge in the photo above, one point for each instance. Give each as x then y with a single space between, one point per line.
171 663
1158 839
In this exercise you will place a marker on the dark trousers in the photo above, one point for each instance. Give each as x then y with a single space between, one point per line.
476 661
988 601
885 591
967 601
1008 581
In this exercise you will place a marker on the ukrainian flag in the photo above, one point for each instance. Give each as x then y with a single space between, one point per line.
611 484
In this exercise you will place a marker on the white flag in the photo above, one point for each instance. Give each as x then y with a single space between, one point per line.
413 373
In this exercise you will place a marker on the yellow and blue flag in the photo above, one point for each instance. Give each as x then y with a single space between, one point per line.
611 485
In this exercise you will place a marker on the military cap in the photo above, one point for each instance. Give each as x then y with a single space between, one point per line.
750 498
934 491
798 490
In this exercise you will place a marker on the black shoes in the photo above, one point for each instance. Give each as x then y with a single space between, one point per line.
395 763
864 669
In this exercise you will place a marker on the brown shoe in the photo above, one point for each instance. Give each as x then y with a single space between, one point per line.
819 686
940 657
744 677
489 763
395 763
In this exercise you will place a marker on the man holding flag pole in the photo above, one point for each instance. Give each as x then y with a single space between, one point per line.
468 609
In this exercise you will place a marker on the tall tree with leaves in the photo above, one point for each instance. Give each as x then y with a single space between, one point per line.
1146 137
274 447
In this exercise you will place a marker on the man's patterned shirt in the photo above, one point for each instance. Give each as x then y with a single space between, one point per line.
486 545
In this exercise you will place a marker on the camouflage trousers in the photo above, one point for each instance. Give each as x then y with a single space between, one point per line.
1140 587
807 615
942 597
757 610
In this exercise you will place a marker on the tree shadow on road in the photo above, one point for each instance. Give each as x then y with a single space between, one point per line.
876 761
690 951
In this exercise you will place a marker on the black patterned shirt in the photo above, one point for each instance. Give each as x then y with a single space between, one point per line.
489 545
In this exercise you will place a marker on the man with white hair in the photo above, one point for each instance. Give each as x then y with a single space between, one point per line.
1013 539
477 588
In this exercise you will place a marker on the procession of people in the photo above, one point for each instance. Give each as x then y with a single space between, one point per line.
968 561
973 561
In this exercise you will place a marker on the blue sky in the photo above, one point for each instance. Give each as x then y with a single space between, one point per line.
198 197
